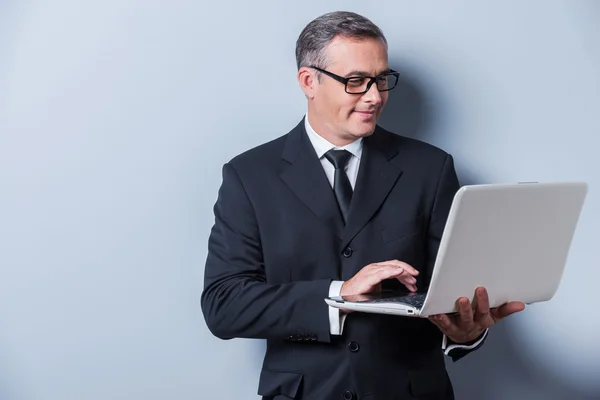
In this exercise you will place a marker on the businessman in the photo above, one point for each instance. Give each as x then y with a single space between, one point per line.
338 205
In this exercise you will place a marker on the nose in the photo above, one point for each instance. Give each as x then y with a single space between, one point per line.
373 95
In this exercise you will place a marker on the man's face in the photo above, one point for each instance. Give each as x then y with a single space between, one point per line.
347 117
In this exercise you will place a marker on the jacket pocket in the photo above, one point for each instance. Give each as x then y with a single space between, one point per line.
273 383
403 229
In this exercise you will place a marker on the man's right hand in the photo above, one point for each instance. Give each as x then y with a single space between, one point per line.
369 278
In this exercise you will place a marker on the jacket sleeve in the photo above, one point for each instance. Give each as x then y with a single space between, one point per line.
237 300
447 187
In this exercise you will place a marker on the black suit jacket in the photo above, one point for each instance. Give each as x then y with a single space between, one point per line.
278 241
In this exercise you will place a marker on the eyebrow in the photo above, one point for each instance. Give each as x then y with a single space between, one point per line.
363 73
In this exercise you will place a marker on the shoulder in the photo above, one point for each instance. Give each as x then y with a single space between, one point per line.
266 157
410 147
262 154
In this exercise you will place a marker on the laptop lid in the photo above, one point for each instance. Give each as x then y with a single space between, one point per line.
512 239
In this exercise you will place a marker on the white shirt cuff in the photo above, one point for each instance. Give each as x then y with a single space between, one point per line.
447 349
336 321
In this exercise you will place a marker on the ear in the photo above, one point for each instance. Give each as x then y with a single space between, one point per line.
308 81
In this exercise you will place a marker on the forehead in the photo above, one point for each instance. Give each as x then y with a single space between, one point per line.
349 54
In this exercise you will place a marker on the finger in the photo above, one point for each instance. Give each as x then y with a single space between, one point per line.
507 309
408 281
399 264
390 271
411 287
406 278
377 276
369 278
482 306
465 311
387 272
407 267
382 271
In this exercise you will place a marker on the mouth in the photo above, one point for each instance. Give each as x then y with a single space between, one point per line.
366 113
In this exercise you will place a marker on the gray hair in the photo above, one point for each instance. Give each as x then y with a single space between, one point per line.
314 38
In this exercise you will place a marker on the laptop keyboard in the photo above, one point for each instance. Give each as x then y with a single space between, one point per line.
415 300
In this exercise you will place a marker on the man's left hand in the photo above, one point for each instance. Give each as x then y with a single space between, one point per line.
473 318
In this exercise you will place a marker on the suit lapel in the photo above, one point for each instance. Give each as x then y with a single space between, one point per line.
304 175
377 174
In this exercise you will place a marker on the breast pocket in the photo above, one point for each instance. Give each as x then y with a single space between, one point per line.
404 229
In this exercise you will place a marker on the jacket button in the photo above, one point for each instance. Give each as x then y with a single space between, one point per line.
347 395
313 337
347 252
353 346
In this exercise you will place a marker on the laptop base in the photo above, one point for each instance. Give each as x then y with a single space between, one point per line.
386 302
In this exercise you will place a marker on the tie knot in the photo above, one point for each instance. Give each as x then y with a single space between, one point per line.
339 158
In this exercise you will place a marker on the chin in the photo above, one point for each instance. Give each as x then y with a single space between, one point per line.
364 130
364 133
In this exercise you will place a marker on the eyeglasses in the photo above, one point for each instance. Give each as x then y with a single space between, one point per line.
362 84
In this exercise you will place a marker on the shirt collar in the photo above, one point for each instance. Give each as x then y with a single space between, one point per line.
322 145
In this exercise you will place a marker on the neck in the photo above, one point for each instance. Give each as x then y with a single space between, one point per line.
326 131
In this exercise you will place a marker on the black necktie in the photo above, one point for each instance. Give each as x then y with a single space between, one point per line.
341 184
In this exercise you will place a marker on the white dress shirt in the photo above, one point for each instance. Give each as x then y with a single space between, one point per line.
322 146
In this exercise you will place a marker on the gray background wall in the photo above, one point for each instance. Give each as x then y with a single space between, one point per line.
116 117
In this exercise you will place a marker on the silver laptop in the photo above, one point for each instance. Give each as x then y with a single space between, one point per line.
512 239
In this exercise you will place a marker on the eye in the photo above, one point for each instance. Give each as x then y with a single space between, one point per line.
386 82
356 82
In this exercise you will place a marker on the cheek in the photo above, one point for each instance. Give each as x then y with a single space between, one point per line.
332 101
347 106
338 102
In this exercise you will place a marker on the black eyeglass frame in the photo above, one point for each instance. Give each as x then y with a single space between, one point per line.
372 79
